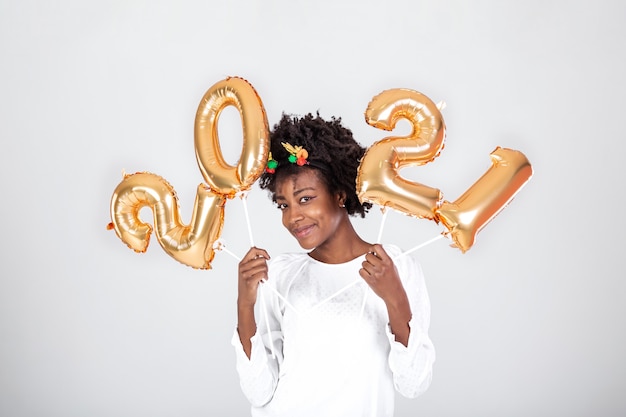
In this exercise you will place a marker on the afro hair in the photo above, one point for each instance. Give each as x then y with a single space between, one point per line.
332 152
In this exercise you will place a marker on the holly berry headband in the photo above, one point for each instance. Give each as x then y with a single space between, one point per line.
297 155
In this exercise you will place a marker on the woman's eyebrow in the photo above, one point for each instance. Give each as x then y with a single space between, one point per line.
295 193
301 190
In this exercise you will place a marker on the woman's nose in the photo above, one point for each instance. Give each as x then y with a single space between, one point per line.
293 215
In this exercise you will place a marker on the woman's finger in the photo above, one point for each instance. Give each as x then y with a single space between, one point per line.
253 267
379 252
368 268
372 259
255 253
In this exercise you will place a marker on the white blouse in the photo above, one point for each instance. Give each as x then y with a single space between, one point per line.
323 345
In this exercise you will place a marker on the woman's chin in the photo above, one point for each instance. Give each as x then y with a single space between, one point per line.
306 244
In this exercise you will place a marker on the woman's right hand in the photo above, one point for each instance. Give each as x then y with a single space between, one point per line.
252 270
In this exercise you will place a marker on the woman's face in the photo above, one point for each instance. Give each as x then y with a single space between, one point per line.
310 212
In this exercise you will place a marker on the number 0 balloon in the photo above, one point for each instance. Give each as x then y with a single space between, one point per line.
221 176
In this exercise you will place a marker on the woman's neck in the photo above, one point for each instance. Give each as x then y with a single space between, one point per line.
345 246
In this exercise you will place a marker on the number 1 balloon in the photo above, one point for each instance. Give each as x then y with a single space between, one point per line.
470 213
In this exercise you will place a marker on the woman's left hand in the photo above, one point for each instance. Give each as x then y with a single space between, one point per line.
380 273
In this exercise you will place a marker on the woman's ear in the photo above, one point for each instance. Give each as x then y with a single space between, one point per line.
341 199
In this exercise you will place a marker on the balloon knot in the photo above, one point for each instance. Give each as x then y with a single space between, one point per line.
218 245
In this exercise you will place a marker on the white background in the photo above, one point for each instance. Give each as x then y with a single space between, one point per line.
530 321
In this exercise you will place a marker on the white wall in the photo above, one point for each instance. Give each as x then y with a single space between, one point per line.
529 322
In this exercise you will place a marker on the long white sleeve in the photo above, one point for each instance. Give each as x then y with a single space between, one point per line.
258 375
412 365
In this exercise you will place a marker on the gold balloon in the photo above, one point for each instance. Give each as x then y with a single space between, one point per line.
378 180
222 177
465 217
193 244
189 244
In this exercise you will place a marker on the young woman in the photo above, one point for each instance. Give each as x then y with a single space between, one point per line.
333 331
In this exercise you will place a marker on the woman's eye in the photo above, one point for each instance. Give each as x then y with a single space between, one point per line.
281 206
305 199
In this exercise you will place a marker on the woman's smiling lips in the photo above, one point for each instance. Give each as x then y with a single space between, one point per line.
301 232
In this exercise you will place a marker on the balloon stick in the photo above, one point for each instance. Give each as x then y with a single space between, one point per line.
382 224
244 198
428 242
219 245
